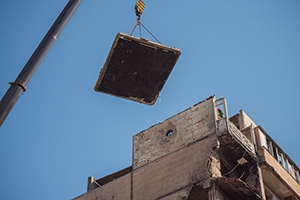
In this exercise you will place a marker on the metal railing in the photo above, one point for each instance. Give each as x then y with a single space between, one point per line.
282 158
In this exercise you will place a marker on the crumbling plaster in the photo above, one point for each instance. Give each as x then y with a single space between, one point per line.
165 165
166 175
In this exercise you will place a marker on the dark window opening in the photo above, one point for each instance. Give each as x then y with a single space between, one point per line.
297 177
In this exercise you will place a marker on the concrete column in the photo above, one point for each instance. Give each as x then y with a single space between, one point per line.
261 183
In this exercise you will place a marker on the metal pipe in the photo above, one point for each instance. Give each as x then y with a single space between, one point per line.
19 86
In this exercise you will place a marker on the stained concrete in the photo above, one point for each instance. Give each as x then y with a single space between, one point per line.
192 156
187 127
164 166
171 173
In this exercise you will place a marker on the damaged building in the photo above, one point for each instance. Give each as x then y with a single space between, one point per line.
200 154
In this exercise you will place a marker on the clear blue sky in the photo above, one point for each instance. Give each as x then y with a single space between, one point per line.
61 131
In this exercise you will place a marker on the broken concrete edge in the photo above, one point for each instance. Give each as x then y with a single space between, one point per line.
196 173
120 173
234 182
212 96
206 186
197 178
166 155
249 153
186 127
187 190
114 176
195 181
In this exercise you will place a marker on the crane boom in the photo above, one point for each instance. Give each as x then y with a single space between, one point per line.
17 87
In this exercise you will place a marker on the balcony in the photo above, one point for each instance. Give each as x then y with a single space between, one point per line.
233 143
279 171
236 134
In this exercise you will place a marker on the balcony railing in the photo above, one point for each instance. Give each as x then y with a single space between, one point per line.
283 159
236 133
242 138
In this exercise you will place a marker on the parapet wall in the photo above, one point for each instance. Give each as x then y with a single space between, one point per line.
174 175
174 133
169 159
119 189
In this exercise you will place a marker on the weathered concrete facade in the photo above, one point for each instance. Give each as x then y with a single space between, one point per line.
196 155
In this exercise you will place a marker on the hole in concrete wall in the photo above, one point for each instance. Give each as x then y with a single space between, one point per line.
169 133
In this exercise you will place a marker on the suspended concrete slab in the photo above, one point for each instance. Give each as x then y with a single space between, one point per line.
136 69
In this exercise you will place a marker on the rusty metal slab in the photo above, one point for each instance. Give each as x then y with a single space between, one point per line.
136 69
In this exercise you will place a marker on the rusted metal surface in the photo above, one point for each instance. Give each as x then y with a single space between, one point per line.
136 69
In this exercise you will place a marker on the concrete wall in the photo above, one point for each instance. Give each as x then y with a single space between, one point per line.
244 120
177 159
168 167
275 176
187 127
169 174
165 166
272 168
119 189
